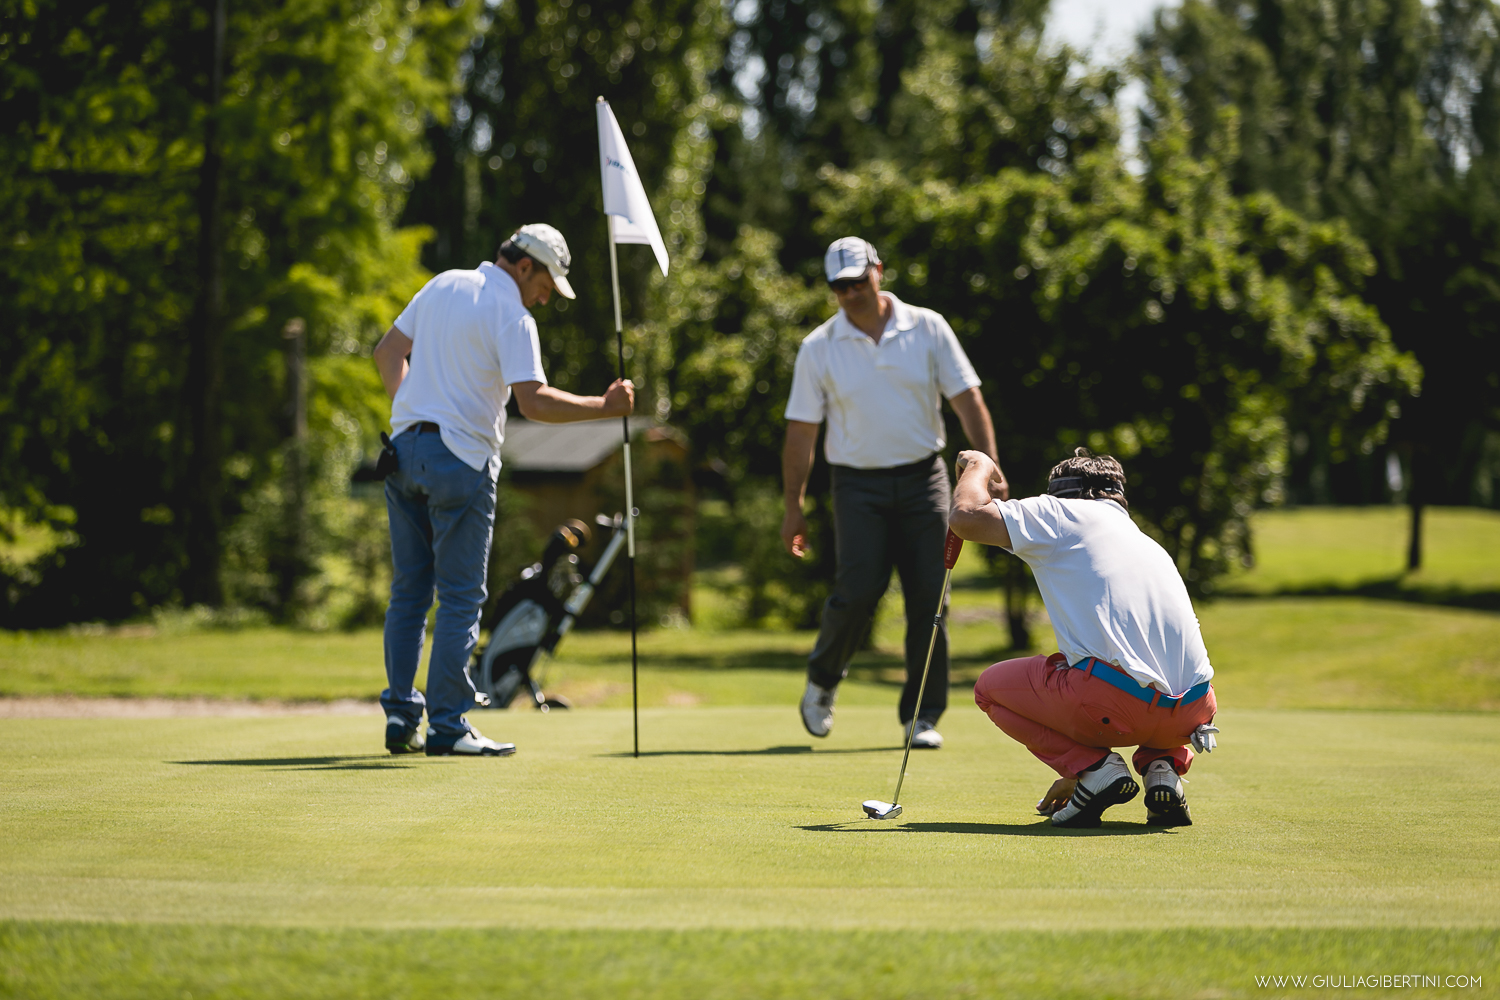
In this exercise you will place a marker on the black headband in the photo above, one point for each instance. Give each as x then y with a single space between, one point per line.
1073 485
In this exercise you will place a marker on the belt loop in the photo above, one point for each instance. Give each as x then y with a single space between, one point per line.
1090 671
1155 697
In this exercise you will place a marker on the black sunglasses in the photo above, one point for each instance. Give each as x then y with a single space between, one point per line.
844 284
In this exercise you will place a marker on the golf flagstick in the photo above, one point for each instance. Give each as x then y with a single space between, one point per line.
627 212
614 280
874 808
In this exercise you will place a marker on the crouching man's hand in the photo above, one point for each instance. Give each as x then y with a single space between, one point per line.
994 479
975 517
1057 796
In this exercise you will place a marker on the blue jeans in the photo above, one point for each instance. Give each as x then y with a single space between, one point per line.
442 515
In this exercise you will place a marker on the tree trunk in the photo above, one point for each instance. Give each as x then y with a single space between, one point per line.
293 564
205 375
1414 548
1015 603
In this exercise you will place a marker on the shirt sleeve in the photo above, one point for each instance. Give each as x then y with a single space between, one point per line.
807 402
1033 526
521 353
955 373
410 317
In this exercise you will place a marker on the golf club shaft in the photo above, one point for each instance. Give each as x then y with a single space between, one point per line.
951 548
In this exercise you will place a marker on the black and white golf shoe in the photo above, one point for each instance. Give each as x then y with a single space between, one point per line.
470 744
926 736
1166 804
402 737
817 709
1108 784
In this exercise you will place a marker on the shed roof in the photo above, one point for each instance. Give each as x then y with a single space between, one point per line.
531 446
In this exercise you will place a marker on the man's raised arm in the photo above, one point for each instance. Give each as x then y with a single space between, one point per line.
975 517
554 406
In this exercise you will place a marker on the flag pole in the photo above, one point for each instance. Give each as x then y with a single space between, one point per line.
614 280
625 199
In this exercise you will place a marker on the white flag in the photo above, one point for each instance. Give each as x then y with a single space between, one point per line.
624 196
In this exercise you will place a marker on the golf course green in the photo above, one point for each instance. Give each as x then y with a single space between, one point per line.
168 847
245 835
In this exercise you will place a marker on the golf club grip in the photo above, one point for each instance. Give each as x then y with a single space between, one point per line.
952 546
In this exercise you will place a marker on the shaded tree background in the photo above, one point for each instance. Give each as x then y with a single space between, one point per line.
1382 113
1226 307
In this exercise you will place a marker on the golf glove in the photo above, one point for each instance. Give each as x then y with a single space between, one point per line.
1203 738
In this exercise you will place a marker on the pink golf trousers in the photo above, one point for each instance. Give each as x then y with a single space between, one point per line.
1069 719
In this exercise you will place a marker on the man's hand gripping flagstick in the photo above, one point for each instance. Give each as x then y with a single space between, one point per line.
627 211
874 808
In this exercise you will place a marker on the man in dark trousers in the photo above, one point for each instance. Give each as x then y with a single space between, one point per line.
878 372
455 355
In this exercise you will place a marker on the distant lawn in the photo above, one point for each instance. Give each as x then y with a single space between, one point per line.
1329 652
1313 549
1273 652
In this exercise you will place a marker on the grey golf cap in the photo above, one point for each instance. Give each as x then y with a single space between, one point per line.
849 257
547 245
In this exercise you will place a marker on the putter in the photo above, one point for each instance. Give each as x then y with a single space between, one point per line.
874 808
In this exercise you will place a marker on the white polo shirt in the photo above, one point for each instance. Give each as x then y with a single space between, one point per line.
470 339
1111 591
882 400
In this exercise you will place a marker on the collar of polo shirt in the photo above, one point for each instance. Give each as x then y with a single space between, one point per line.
901 314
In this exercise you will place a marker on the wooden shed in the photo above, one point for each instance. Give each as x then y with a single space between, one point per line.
577 471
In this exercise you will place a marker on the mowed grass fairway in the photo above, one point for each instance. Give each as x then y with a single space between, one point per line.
1348 826
284 856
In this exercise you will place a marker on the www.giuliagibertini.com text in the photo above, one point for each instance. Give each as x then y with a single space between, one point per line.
1387 982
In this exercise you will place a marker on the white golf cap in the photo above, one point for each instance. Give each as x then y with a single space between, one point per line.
849 257
547 245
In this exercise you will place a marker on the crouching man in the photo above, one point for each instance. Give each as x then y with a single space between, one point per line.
1132 669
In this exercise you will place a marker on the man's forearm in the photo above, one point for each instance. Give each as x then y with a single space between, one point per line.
551 405
796 462
978 427
974 516
972 493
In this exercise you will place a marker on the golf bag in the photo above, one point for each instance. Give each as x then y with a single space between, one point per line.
532 615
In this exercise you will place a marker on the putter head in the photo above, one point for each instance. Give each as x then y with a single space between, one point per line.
876 809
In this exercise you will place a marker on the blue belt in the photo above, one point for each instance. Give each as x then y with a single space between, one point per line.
1115 677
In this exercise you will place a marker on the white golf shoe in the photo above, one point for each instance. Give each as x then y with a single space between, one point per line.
817 709
1107 785
470 744
926 737
1166 803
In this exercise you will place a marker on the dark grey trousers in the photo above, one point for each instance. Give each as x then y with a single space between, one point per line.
884 518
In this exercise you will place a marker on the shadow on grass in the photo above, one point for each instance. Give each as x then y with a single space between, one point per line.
360 762
1393 588
868 665
1041 828
766 752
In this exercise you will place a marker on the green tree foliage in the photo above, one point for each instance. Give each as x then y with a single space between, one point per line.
522 146
1163 319
317 135
1179 316
1383 113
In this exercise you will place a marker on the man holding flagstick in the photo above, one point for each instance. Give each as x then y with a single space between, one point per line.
463 346
627 212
